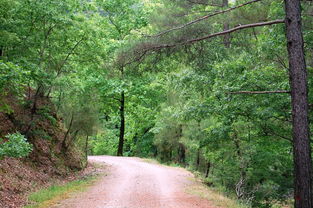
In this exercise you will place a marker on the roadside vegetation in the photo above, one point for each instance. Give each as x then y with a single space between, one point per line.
221 87
49 196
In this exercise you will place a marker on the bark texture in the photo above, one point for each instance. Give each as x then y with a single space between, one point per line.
299 101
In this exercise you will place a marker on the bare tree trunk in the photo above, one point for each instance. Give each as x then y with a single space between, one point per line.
86 147
198 158
181 154
181 147
299 102
208 168
122 125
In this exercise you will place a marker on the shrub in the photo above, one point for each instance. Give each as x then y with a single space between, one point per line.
16 146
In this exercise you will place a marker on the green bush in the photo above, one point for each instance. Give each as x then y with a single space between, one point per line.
16 146
104 143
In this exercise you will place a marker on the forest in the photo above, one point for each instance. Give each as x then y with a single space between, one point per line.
221 87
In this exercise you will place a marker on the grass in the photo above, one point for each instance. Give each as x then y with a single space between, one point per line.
217 199
49 196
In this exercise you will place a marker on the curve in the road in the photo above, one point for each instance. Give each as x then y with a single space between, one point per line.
133 183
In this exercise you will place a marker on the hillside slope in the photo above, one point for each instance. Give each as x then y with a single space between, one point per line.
52 156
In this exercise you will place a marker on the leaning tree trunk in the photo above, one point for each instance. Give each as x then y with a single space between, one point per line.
299 101
122 125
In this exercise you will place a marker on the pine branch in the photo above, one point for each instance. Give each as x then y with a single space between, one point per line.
260 92
241 27
139 55
259 24
204 18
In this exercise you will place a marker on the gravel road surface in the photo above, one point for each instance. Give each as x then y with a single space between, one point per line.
134 183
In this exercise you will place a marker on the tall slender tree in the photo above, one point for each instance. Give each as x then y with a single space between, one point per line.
299 102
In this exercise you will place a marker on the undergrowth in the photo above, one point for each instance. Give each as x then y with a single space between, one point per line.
49 196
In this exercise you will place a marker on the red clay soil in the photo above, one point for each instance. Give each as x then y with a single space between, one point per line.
133 183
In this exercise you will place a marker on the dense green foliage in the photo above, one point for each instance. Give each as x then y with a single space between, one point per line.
180 102
15 146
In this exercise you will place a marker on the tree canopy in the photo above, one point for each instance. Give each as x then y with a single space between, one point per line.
219 86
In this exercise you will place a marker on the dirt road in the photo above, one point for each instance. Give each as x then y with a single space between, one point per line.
133 183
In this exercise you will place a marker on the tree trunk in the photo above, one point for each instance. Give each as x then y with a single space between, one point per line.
36 96
64 145
86 147
72 139
155 152
182 154
241 183
181 147
208 168
122 125
170 155
299 102
198 158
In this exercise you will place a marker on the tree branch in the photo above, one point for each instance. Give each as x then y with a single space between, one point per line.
148 47
202 3
272 133
260 92
68 56
204 18
240 27
259 24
